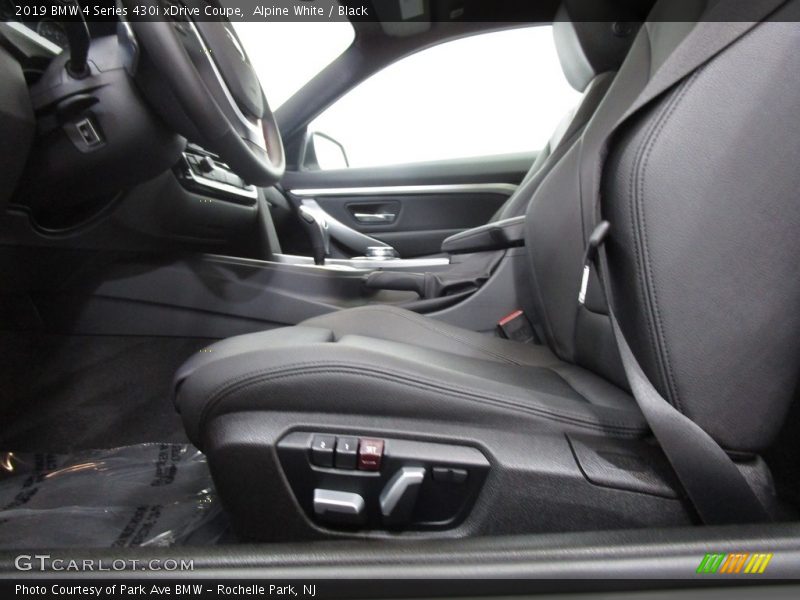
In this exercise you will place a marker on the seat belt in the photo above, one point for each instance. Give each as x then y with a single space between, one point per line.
715 486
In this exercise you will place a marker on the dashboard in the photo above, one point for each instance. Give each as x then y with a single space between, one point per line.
48 28
52 31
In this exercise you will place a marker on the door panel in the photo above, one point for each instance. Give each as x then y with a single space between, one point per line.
420 221
414 207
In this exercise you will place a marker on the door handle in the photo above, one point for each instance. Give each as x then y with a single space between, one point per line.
363 217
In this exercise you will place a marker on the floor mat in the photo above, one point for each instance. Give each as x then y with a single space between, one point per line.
142 495
62 393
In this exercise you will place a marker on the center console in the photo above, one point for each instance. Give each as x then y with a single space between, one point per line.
234 279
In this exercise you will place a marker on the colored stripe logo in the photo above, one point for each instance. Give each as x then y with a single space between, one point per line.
736 563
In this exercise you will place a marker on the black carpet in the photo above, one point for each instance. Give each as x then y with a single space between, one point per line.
62 393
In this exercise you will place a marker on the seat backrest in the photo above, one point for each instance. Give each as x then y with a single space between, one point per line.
700 184
589 54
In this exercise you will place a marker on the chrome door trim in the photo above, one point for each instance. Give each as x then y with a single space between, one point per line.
505 189
374 217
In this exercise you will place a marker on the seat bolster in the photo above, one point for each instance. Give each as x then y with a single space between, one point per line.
397 325
325 378
595 389
242 344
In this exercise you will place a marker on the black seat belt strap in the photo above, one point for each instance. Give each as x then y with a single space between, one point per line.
713 483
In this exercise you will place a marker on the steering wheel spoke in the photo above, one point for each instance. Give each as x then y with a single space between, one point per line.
208 72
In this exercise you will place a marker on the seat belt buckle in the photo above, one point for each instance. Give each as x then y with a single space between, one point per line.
516 327
597 239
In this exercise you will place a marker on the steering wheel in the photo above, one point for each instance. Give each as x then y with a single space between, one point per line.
216 88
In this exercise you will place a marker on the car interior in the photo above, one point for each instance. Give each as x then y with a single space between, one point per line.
211 342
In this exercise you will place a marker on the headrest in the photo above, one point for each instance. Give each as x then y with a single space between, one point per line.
592 37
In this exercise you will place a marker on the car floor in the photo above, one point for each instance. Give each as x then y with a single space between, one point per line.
62 393
136 495
92 452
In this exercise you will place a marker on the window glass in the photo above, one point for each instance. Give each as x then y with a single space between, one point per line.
488 94
287 55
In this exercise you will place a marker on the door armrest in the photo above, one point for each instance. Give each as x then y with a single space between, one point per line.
492 236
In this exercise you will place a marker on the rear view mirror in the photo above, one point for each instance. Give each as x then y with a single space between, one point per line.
324 153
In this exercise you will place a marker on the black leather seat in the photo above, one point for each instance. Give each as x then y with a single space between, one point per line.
699 143
382 356
590 52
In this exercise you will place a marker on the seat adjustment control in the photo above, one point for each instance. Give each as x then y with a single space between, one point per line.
449 475
370 453
322 449
346 452
350 479
339 507
398 498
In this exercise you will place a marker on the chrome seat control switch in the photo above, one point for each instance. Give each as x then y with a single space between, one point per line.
339 507
399 496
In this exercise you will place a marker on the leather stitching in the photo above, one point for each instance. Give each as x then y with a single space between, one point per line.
637 242
302 369
660 332
426 323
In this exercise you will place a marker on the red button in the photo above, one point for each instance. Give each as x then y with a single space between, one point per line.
370 453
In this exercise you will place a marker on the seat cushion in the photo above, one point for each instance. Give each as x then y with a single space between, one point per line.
383 361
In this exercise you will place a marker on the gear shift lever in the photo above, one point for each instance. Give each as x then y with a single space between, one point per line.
79 40
320 236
